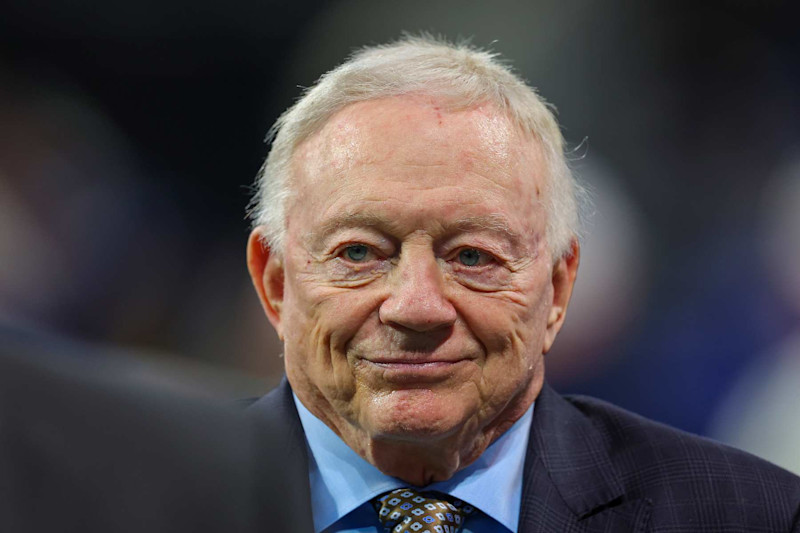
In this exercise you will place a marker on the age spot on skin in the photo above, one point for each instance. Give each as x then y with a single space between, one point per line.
438 114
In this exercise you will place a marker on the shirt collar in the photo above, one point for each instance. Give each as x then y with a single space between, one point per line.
341 480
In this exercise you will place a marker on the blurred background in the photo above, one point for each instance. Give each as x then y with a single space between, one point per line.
130 133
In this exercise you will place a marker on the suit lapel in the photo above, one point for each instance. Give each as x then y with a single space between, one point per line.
282 458
570 483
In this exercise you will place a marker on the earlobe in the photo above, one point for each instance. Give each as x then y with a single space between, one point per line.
565 271
267 274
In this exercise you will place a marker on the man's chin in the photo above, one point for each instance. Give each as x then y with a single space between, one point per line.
416 415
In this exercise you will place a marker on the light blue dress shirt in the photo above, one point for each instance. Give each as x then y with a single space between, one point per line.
343 483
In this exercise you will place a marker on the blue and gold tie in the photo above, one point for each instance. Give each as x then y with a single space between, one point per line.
404 509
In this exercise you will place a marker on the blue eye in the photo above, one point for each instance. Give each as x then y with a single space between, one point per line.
356 252
469 257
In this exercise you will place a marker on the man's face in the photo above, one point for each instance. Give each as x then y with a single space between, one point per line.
416 294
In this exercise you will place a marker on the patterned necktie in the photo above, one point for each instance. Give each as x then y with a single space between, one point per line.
404 509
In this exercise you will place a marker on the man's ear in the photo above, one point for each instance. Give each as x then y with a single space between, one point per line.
565 270
267 273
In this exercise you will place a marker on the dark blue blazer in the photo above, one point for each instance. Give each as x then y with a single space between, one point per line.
593 467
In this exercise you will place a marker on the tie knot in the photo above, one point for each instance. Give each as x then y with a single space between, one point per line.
404 509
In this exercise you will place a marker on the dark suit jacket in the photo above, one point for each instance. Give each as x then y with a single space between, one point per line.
594 467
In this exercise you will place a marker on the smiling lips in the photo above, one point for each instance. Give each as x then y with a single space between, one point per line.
422 359
408 370
413 359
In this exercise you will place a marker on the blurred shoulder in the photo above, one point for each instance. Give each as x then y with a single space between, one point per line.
633 440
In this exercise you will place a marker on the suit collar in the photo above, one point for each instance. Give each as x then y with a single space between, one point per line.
574 455
566 455
284 460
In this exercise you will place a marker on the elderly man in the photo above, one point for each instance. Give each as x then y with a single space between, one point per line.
415 249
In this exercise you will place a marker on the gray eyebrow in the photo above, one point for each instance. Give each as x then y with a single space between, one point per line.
347 220
350 220
494 222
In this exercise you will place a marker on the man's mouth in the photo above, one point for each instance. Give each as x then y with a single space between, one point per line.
406 370
413 360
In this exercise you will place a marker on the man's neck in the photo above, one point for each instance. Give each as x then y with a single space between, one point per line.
421 462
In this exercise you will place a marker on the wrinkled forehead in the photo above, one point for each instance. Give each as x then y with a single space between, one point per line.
416 130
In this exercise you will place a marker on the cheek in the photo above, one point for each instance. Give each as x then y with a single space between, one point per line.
511 326
513 337
313 364
320 322
339 315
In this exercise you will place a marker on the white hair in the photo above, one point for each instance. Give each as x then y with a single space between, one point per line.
459 74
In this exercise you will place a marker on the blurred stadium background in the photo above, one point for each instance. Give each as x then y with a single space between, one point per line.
130 133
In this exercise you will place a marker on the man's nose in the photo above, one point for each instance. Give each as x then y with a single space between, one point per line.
417 300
